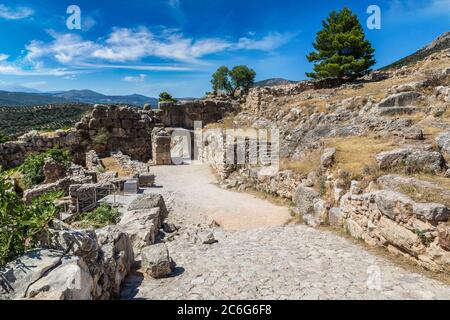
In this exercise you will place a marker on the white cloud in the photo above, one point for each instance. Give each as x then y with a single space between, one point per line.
3 57
137 79
126 48
15 14
270 42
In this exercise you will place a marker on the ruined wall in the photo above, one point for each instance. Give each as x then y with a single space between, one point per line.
184 114
417 231
13 153
259 98
112 129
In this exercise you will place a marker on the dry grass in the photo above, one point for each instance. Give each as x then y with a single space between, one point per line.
308 163
355 154
111 164
421 194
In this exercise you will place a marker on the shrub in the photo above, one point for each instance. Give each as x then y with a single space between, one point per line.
101 137
20 223
32 168
102 216
4 138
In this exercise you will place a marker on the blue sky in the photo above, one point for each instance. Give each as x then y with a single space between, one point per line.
147 46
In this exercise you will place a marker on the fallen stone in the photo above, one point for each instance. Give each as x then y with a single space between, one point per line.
433 212
156 261
304 199
150 201
142 226
209 238
400 99
327 158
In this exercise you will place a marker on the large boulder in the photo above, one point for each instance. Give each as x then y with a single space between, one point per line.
142 226
150 201
400 99
156 261
118 258
304 198
413 160
443 141
46 274
327 158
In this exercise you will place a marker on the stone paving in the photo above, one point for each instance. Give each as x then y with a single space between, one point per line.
274 262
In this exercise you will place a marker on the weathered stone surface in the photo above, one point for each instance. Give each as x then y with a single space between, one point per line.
52 171
142 226
156 261
393 204
400 99
413 160
327 158
443 141
433 212
304 199
146 180
118 257
336 218
400 237
149 201
444 236
46 274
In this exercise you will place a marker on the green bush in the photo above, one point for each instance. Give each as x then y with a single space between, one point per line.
101 137
4 138
32 168
20 223
102 216
166 97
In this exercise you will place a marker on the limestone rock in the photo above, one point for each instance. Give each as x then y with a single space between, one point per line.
400 99
304 199
52 171
327 158
46 274
156 261
433 212
142 226
336 218
149 201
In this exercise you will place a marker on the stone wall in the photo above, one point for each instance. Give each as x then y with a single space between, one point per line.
417 231
184 114
112 128
260 97
13 153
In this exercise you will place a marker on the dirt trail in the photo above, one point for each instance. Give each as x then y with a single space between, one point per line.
194 188
257 257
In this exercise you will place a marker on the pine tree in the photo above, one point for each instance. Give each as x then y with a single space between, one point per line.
342 51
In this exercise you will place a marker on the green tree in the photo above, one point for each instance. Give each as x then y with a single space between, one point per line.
342 51
166 97
240 77
221 80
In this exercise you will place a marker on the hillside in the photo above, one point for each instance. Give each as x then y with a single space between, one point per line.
18 120
273 82
18 99
441 43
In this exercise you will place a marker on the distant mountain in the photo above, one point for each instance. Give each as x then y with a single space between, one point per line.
16 88
273 82
9 99
19 99
89 96
441 43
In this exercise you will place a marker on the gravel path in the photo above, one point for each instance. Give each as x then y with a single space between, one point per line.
267 262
